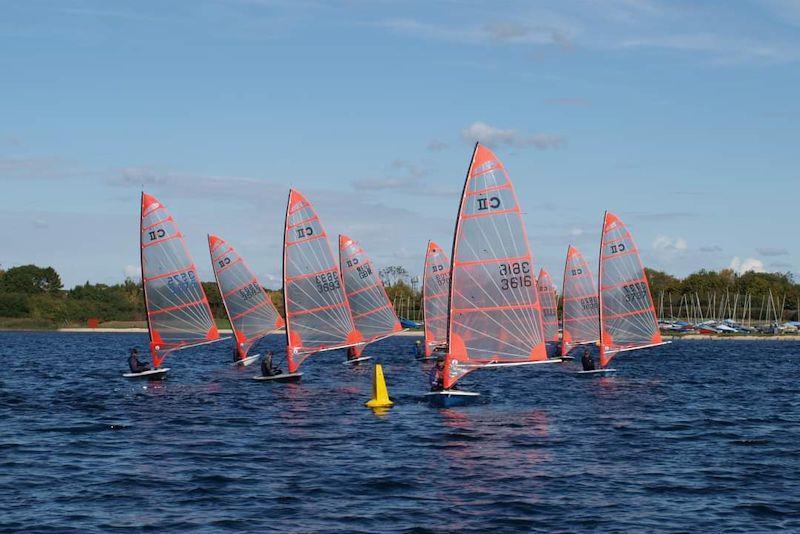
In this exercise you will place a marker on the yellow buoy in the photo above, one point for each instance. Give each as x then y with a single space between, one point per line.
380 396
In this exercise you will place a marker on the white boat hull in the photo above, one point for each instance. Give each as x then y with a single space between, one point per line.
250 360
152 374
356 360
283 377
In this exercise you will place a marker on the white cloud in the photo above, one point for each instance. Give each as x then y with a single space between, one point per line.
193 185
669 244
493 136
576 232
747 264
506 32
772 251
436 145
405 177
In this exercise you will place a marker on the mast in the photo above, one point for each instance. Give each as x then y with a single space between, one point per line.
144 286
453 249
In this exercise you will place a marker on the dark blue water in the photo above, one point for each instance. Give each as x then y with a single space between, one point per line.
695 435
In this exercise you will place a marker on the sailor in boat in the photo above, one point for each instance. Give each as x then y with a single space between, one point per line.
436 376
586 360
351 354
134 363
266 366
418 349
235 354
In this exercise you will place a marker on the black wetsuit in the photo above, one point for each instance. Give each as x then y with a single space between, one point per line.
137 366
267 369
436 379
587 362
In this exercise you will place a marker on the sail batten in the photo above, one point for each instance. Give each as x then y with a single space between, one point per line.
627 314
580 308
494 310
318 314
178 314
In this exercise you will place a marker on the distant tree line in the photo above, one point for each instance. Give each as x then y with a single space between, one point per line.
32 295
726 294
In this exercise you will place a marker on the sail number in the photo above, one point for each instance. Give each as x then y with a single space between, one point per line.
223 262
156 234
576 272
250 291
304 232
491 203
589 303
619 247
515 275
441 278
179 283
635 291
364 271
327 282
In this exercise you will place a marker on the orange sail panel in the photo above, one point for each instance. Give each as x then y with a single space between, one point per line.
249 307
495 314
435 292
549 300
373 314
627 315
317 312
178 314
580 304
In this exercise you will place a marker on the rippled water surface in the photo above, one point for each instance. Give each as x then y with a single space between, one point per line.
694 435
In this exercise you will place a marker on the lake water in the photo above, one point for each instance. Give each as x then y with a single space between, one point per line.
695 435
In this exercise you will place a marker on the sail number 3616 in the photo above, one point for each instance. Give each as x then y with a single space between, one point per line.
515 275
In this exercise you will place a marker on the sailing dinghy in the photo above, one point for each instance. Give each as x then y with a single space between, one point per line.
580 304
318 316
249 307
494 316
435 294
549 301
627 315
178 314
373 315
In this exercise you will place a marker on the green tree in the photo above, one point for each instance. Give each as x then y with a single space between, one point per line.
393 274
30 280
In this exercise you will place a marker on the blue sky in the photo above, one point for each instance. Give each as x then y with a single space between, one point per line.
680 117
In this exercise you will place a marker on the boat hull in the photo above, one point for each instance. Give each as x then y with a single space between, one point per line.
596 372
152 374
356 361
250 360
283 377
451 398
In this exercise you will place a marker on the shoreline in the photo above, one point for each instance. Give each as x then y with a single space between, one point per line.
704 337
405 333
225 331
